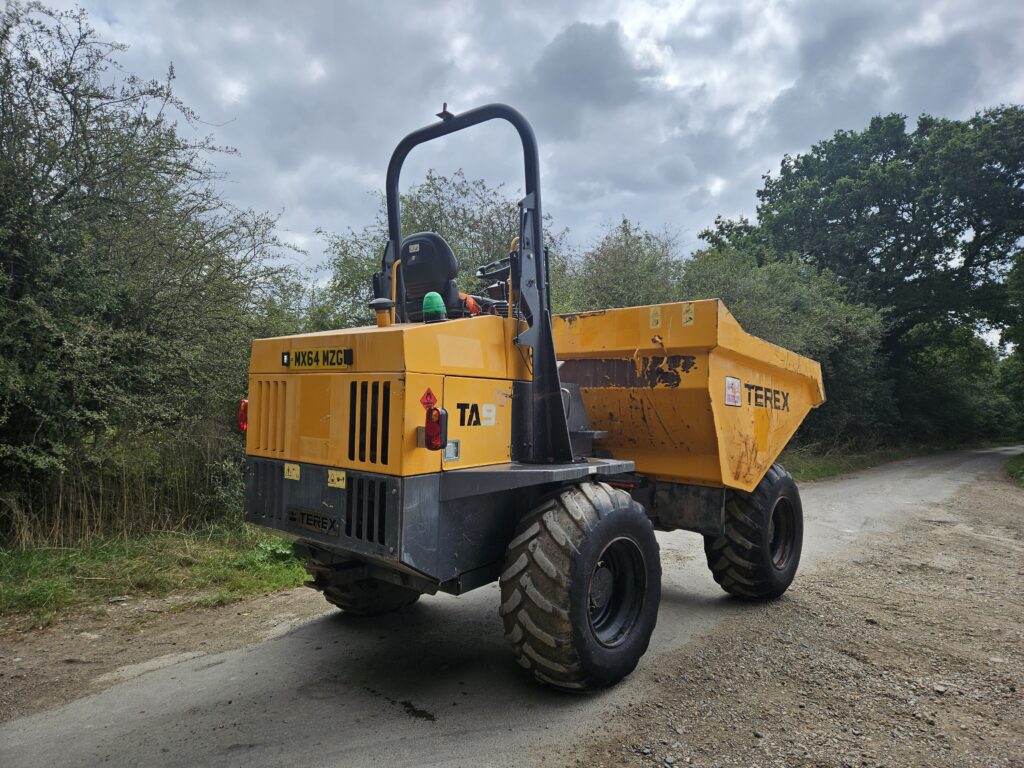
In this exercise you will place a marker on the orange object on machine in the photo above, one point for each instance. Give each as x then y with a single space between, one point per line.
471 306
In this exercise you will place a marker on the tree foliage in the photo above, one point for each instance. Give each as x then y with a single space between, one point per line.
129 290
478 220
793 305
926 222
949 386
627 267
926 225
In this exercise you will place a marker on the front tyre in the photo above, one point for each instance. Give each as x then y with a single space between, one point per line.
581 586
757 554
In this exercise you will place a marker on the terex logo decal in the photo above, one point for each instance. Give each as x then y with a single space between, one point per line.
476 415
330 526
766 397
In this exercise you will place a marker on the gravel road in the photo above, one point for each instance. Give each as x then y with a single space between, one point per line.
845 669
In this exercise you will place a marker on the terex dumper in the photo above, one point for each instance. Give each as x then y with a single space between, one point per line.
467 438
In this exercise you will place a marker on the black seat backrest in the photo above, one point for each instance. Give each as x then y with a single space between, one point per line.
428 264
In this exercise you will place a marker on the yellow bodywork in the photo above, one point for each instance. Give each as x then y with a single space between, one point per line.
364 415
655 379
480 419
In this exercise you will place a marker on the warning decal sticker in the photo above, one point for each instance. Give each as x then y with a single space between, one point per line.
733 390
429 400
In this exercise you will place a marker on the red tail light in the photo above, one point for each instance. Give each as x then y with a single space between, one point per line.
435 429
243 416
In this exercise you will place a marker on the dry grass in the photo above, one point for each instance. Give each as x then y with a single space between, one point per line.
132 494
220 564
1015 468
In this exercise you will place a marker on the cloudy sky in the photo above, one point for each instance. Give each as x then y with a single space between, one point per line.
666 112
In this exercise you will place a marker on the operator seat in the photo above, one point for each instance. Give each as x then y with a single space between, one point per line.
428 264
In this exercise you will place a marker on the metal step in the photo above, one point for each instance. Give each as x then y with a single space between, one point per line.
589 434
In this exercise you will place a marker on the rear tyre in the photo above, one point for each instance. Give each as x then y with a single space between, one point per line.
581 586
365 597
758 552
370 597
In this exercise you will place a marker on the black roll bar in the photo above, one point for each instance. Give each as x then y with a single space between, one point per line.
451 124
545 427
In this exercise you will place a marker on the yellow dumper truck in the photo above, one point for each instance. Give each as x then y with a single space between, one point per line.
472 437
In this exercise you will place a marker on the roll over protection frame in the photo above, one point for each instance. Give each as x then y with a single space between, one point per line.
546 427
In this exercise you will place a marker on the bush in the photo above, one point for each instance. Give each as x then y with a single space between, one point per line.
628 266
129 294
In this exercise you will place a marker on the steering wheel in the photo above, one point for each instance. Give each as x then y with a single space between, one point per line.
496 270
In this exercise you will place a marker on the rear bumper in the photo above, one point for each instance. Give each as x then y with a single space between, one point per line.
361 518
450 528
397 524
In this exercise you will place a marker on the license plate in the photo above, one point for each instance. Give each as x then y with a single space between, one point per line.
328 358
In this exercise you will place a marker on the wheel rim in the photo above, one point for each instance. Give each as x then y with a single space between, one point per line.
616 592
782 533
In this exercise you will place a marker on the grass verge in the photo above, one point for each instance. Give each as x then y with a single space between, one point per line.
806 465
220 564
1015 468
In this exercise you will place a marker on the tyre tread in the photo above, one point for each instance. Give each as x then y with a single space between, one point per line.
534 588
733 555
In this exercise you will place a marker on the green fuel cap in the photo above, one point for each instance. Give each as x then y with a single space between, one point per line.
433 308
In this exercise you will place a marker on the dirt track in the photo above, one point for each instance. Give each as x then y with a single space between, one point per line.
885 652
909 653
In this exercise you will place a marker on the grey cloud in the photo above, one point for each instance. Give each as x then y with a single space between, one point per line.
667 118
820 104
858 61
953 75
585 70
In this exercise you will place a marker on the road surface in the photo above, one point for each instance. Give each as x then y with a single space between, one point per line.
433 686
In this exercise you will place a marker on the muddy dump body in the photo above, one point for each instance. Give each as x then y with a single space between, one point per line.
684 392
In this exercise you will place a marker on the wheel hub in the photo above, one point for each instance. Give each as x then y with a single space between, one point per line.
616 592
601 586
781 533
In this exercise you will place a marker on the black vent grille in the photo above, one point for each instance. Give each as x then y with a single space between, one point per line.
369 417
366 510
363 516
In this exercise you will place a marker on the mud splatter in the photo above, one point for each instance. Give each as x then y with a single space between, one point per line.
639 373
407 706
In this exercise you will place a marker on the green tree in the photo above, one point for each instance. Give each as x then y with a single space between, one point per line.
129 290
628 266
1010 387
352 258
950 388
1014 332
477 220
925 222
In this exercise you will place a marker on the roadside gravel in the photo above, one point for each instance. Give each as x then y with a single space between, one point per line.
909 654
86 651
